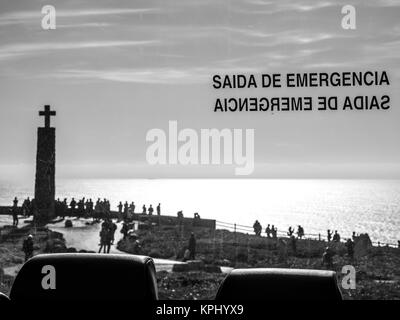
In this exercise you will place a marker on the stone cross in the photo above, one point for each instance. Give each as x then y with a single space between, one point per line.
47 114
45 186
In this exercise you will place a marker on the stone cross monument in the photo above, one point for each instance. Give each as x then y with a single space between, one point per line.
45 168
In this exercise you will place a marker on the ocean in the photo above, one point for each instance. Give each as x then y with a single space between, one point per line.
364 206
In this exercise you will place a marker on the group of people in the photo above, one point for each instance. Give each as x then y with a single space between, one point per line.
126 208
82 207
271 232
107 235
28 209
300 232
335 237
329 253
257 228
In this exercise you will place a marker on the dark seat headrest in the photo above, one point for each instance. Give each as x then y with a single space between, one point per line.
4 300
279 284
85 277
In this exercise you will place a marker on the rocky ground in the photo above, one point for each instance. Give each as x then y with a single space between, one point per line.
378 269
12 256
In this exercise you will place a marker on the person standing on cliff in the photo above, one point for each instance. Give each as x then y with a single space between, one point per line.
25 207
27 247
274 232
132 207
124 229
327 258
113 228
14 212
350 248
15 202
72 205
329 235
103 238
159 209
336 237
192 247
126 209
268 231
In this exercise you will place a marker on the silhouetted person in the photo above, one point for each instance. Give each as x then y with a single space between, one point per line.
290 231
196 216
109 238
354 236
350 248
132 207
151 210
329 234
144 209
336 237
192 247
14 212
257 228
274 231
15 202
327 258
300 232
64 208
124 229
120 206
27 247
159 209
81 207
126 208
103 238
87 207
113 228
268 231
90 207
25 207
72 205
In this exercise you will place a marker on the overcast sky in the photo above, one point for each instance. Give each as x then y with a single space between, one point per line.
115 69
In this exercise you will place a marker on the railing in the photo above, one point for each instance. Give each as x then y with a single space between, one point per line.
6 210
234 227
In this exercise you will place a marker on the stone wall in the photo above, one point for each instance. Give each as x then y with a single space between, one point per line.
45 173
